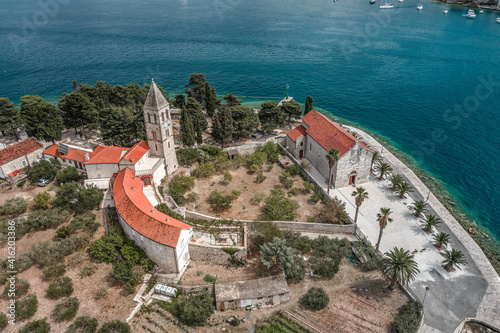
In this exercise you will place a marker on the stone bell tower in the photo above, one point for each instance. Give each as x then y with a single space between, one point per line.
159 128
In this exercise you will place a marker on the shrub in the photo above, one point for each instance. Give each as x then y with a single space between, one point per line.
20 184
269 168
308 187
67 175
60 287
36 326
305 165
54 270
316 197
66 309
258 158
78 198
254 168
204 170
220 202
45 219
14 207
271 151
192 197
316 298
208 278
213 151
227 178
20 287
298 242
285 180
103 249
43 200
115 326
63 231
78 258
4 322
260 178
194 309
325 266
86 222
27 306
187 156
122 270
408 319
235 194
101 293
294 191
83 324
258 197
88 269
263 232
42 169
279 208
333 211
293 170
178 186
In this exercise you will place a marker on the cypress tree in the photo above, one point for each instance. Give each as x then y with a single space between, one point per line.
222 126
209 100
309 105
187 128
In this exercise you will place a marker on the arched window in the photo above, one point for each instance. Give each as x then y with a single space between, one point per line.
149 118
156 119
156 147
163 117
168 133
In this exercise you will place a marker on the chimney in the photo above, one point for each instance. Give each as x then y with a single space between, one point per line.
86 156
132 187
167 218
152 210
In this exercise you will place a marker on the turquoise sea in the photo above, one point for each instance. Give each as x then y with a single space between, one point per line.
427 81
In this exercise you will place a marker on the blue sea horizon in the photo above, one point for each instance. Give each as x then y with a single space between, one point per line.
425 81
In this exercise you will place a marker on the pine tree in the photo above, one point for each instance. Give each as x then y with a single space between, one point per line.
42 119
10 120
309 105
187 129
197 117
209 100
231 100
78 112
222 125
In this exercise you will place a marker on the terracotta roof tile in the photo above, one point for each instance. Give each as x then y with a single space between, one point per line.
106 154
19 149
135 208
296 133
329 134
73 154
136 152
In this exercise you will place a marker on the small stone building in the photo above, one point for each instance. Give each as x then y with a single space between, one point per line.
271 290
15 158
316 136
75 156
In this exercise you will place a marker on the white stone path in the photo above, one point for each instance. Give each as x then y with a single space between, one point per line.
473 292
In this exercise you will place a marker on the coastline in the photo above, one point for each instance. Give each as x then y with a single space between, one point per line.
471 5
488 244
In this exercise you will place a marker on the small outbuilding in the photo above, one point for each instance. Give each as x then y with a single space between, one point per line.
271 290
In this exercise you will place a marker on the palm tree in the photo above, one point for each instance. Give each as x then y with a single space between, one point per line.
395 181
399 266
376 158
383 218
418 208
429 221
359 195
332 157
383 168
452 259
403 188
441 240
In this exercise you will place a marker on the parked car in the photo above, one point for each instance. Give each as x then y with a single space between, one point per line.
45 181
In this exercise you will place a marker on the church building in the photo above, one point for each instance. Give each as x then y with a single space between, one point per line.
317 134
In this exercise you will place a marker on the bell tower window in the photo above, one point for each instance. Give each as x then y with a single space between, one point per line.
149 118
163 117
156 119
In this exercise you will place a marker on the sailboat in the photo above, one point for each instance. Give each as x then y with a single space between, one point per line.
386 5
420 7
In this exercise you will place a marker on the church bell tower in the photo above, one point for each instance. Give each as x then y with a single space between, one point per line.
159 128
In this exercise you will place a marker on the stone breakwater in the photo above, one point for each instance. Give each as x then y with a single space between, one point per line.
489 307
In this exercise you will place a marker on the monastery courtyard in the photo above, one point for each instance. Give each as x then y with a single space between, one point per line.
473 292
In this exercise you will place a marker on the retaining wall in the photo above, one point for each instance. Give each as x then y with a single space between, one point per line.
212 254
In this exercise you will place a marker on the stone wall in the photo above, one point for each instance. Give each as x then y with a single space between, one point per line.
212 254
315 227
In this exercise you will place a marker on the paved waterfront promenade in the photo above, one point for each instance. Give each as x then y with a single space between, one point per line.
473 292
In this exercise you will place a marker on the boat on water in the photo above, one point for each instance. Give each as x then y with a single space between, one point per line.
481 12
372 2
445 11
471 14
498 20
386 5
420 7
401 1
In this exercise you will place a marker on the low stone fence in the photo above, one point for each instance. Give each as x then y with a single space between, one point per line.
209 254
191 289
315 227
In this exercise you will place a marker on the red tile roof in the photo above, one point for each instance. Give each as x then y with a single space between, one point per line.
135 208
329 134
15 173
136 152
19 149
296 133
106 154
73 154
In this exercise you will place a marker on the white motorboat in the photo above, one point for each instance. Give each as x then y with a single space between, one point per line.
372 2
401 1
481 12
420 7
471 14
386 5
498 20
445 11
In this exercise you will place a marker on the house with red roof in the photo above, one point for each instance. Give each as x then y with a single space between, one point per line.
317 134
75 156
163 238
14 158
